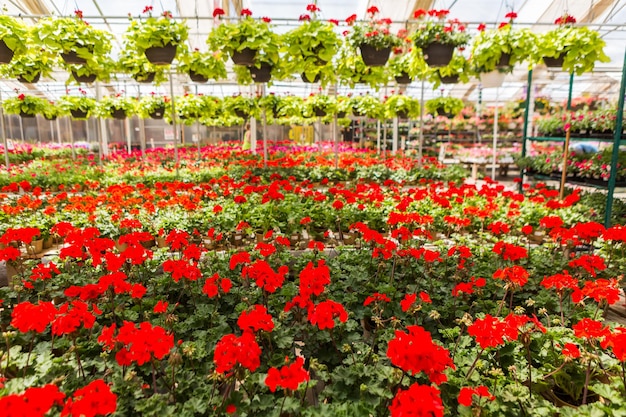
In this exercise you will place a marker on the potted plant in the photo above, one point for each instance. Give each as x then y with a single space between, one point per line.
437 38
80 106
501 48
30 66
97 68
243 39
270 104
312 44
402 106
13 37
51 111
154 106
351 69
116 107
76 40
241 106
367 105
263 70
191 107
457 70
140 69
319 105
25 105
575 49
291 106
203 66
373 38
160 39
444 106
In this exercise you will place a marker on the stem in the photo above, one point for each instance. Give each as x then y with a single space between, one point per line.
587 376
154 386
530 372
474 364
283 404
561 308
30 349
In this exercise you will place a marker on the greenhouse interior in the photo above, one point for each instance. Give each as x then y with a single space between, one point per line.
291 208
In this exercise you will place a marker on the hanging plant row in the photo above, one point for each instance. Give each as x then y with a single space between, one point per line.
314 51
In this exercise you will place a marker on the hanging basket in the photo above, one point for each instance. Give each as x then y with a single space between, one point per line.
50 118
373 57
341 114
319 112
438 54
442 112
553 62
262 74
25 81
146 78
87 79
6 54
161 55
504 60
403 78
402 114
71 57
240 113
119 114
492 79
78 114
197 78
27 115
306 79
449 79
244 57
158 113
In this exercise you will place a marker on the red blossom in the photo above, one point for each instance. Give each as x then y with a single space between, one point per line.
417 400
466 394
287 377
255 319
323 314
231 351
217 12
570 350
246 12
375 298
95 399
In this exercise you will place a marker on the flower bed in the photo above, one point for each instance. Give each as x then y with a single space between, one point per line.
439 301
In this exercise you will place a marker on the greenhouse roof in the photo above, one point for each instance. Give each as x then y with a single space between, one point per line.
606 16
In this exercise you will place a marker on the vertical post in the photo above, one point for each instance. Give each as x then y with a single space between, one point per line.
21 128
420 145
127 133
335 139
564 168
525 128
264 138
495 136
198 131
69 121
173 104
619 123
394 143
98 130
4 135
58 125
569 94
253 135
378 136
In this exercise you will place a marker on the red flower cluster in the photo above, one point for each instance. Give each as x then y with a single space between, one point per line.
515 275
375 298
468 287
492 331
213 285
95 399
560 282
256 319
323 314
418 400
600 290
414 351
232 350
140 344
466 394
509 251
590 263
264 276
34 402
288 376
27 316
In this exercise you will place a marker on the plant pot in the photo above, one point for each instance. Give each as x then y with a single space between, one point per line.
402 114
504 60
341 114
244 57
88 79
442 112
157 113
240 113
197 78
25 81
27 115
403 78
553 62
35 247
6 54
119 114
449 79
161 55
306 79
144 78
373 57
319 112
78 114
492 79
438 54
72 58
160 242
51 118
262 74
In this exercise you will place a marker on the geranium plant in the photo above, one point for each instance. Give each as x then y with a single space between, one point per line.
312 44
14 35
76 40
372 37
502 47
145 35
444 106
352 70
79 106
203 66
245 38
573 48
435 37
117 106
25 104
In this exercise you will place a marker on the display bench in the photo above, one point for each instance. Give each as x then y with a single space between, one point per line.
617 140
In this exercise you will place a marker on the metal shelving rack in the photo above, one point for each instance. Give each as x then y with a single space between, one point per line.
617 136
